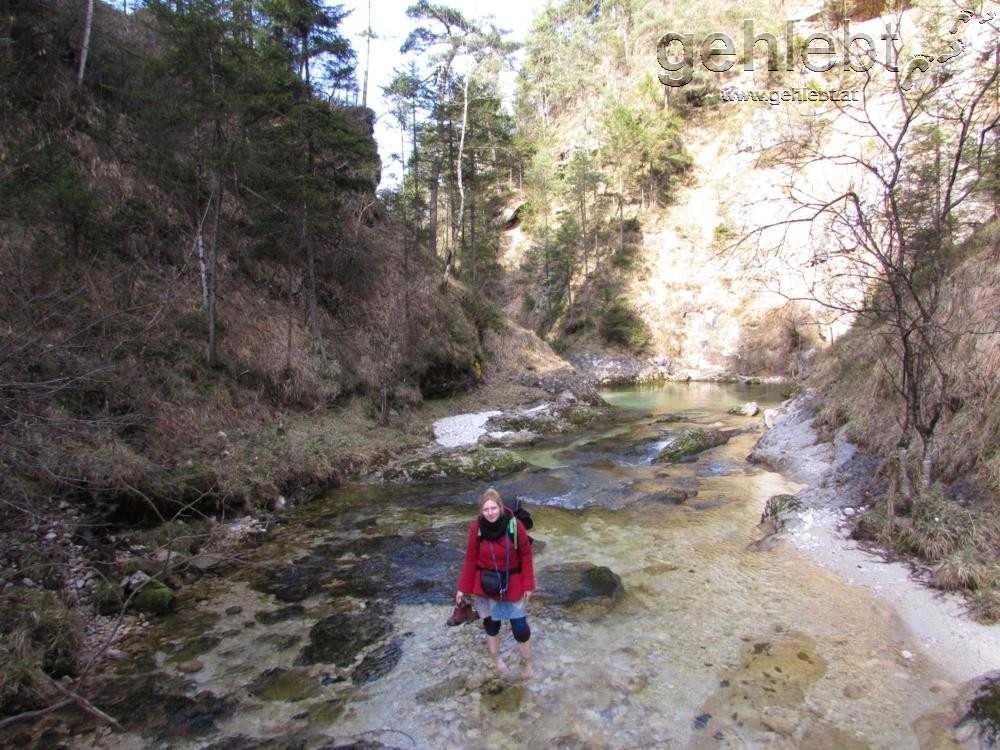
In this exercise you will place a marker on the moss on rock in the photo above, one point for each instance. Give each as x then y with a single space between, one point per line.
154 598
285 685
690 442
480 463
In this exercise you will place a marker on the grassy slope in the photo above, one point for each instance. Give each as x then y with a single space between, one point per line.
953 525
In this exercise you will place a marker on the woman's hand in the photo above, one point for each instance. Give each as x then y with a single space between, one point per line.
527 596
458 597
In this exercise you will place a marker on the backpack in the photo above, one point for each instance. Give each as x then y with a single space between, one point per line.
520 513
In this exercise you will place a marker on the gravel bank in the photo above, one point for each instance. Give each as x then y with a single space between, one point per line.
834 473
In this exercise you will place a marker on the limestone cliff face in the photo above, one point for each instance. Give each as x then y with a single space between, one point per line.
729 275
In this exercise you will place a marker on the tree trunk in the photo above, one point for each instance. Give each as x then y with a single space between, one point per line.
368 52
199 244
926 463
472 227
435 176
88 22
595 250
432 208
211 267
406 241
416 161
905 485
621 223
202 267
314 326
291 316
449 263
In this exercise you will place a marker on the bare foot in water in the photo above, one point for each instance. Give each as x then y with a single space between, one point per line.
528 670
501 667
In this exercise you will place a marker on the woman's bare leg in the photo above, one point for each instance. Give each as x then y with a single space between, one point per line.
526 655
493 644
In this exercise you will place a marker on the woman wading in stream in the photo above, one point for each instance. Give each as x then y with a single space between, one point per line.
499 573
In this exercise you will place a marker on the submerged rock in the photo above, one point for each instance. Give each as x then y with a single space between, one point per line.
160 707
288 685
405 569
581 588
670 496
339 638
765 694
280 615
671 419
971 720
378 663
190 667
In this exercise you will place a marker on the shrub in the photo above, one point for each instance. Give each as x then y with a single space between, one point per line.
960 570
622 326
958 542
483 313
985 603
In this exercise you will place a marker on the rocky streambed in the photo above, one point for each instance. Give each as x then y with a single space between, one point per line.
660 619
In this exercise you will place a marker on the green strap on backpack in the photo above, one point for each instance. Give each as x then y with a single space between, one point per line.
511 531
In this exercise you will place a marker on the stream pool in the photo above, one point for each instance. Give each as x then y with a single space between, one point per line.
331 633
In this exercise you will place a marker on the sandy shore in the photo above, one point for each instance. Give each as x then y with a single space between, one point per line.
963 648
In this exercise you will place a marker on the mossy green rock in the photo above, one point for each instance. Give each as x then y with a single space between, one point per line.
580 591
154 599
985 710
691 442
481 463
286 685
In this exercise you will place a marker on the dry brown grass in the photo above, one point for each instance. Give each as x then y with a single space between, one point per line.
775 345
38 631
960 570
970 437
955 525
856 375
515 349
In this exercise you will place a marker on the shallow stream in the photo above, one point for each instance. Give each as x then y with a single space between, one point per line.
332 630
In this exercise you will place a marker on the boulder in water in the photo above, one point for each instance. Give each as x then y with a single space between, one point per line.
749 409
581 589
690 442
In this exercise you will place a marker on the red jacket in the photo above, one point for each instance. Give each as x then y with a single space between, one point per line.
477 557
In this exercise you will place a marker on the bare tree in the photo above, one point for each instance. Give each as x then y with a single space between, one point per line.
88 23
884 201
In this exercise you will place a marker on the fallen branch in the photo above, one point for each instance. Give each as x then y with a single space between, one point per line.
85 705
35 714
69 698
